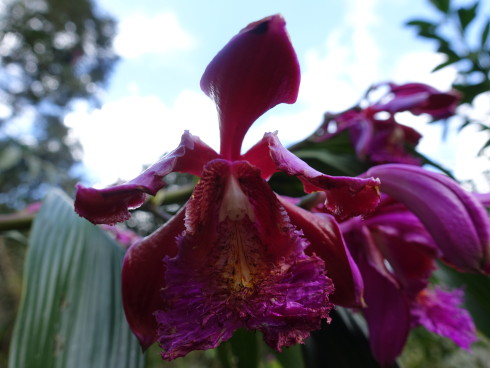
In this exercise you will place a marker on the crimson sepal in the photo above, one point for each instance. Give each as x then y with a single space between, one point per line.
143 277
345 196
326 242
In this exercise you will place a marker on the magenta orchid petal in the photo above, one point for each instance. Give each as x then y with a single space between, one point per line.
111 205
440 312
456 220
259 155
390 142
254 72
241 263
484 198
405 244
387 314
326 242
143 276
419 98
345 196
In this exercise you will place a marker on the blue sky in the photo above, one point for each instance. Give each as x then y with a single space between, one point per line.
343 47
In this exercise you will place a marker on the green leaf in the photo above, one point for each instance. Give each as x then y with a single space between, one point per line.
467 15
343 164
484 34
442 5
341 344
244 346
291 357
71 313
470 91
443 65
10 156
481 151
422 24
477 294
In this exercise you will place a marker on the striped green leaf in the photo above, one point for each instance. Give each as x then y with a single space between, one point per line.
71 313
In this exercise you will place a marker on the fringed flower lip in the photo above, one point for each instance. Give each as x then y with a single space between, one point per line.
235 255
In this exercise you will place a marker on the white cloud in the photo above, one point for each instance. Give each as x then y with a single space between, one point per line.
417 67
126 134
334 76
156 34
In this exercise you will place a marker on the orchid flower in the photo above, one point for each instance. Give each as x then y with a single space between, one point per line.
419 98
236 256
456 219
396 256
384 140
378 140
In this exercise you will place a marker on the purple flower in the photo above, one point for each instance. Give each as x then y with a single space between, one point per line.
234 256
419 98
382 139
456 219
125 237
378 140
440 312
396 256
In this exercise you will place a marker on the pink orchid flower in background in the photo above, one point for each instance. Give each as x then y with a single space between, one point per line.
378 140
237 255
418 98
382 139
396 256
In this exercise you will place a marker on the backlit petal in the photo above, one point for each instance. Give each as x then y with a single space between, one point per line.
254 72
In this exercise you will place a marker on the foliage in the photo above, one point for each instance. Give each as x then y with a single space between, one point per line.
52 53
71 312
461 34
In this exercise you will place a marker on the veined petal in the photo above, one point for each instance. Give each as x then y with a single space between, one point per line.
456 220
255 71
111 205
241 264
440 312
143 277
345 196
326 241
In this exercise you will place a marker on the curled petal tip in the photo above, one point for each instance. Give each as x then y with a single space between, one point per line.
107 206
345 196
254 72
111 205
